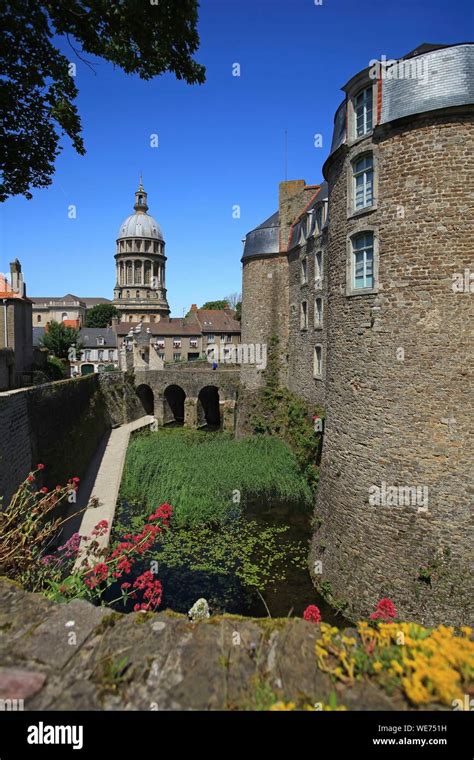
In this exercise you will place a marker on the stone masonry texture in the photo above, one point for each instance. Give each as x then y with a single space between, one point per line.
399 382
79 657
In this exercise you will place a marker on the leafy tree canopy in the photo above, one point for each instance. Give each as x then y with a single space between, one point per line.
59 339
101 315
215 305
37 85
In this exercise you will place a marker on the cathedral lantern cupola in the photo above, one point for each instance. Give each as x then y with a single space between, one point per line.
141 205
140 289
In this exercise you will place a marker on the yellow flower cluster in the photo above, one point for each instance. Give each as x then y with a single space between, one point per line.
333 652
322 707
430 665
433 665
280 706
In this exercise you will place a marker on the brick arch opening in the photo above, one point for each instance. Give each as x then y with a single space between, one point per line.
146 396
173 406
208 411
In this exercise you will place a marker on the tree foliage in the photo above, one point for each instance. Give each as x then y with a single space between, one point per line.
58 339
37 85
101 315
215 305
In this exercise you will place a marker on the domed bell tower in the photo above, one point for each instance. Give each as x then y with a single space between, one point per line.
140 289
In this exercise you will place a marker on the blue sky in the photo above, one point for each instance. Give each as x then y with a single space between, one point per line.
220 144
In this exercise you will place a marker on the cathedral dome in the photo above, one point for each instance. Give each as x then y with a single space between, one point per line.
140 225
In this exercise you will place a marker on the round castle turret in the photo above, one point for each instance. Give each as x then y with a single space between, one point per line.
395 491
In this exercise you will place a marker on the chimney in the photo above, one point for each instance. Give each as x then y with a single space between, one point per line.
193 307
294 195
17 284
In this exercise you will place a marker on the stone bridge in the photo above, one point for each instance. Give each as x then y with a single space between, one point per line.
193 397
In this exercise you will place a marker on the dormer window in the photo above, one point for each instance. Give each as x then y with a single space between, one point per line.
363 112
100 341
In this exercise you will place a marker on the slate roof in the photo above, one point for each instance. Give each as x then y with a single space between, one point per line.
264 240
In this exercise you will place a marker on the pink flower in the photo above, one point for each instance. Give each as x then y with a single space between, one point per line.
312 614
40 466
385 610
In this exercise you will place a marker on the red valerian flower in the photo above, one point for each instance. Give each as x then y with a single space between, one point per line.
312 614
43 490
101 528
30 478
75 480
40 466
58 488
99 573
163 512
385 610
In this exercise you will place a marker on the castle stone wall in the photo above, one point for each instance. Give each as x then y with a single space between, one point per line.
302 343
399 378
60 425
265 312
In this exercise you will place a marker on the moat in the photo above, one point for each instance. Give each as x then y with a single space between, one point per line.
240 536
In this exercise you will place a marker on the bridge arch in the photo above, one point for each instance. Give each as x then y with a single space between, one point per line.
173 404
208 409
146 396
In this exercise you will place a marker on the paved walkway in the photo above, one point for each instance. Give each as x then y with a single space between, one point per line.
108 475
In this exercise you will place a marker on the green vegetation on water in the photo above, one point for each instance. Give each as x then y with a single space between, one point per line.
209 477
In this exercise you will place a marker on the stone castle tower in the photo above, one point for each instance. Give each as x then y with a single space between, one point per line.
140 292
380 302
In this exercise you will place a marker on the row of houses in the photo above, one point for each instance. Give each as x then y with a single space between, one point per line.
201 334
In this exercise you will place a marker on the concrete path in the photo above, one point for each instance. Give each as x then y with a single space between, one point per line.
108 475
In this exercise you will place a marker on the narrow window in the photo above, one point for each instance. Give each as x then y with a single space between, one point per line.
318 361
363 261
304 315
304 271
319 219
318 268
363 178
363 112
318 312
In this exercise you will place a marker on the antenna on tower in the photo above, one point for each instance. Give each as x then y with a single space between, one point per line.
286 155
